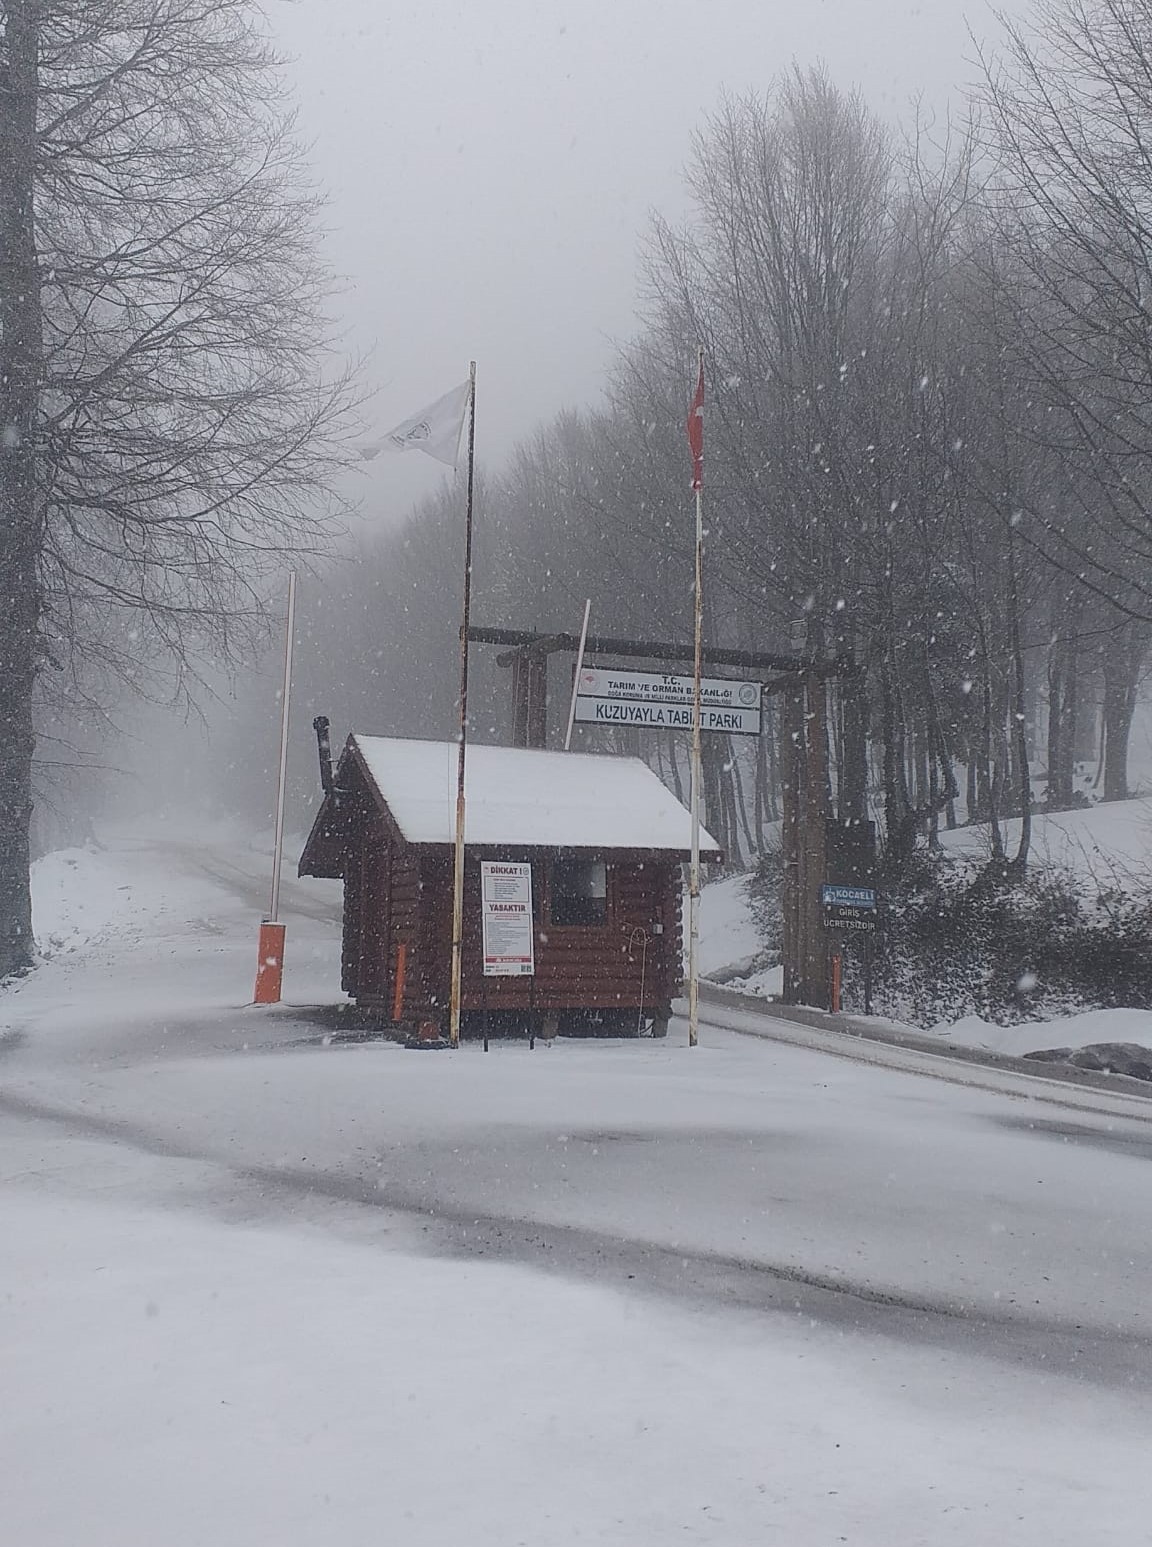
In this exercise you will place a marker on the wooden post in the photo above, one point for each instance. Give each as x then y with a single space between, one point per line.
815 840
529 698
401 978
804 768
576 675
791 762
282 767
697 793
520 699
537 700
458 848
270 956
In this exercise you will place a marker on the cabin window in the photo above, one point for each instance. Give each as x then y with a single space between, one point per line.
579 891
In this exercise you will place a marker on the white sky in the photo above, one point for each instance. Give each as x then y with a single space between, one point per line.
492 164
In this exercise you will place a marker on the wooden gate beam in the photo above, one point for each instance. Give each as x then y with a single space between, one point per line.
655 650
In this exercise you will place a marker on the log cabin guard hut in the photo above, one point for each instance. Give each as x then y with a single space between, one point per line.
605 840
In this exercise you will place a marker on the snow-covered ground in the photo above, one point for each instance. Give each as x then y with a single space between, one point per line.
629 1293
177 1380
728 933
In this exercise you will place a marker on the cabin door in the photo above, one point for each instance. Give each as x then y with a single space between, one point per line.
375 921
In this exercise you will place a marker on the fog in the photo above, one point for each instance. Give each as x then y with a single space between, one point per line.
490 172
491 168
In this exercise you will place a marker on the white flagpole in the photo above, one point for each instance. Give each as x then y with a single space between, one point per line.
285 710
458 857
694 868
576 677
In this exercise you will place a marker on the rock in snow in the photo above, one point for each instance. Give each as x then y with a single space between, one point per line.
1103 1057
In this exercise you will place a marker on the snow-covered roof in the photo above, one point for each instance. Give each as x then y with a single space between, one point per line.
524 797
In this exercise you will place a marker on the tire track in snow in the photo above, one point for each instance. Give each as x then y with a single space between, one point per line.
712 1281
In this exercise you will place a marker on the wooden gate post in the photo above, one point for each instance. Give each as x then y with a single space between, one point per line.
804 765
791 765
816 964
529 698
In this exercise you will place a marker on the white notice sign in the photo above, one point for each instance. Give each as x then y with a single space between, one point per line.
506 901
607 696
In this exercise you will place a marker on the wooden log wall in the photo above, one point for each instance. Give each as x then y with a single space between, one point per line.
617 965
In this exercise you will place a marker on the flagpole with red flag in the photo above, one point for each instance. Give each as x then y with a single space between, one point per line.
696 443
462 744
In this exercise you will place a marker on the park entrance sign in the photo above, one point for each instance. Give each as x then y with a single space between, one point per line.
799 682
605 696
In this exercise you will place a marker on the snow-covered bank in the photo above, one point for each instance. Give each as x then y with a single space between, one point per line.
89 898
1072 1031
728 933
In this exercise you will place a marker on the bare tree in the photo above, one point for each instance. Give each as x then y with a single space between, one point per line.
1067 105
170 429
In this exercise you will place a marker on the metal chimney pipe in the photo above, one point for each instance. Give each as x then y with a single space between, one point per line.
324 746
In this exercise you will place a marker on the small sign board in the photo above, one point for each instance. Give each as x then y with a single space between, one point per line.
850 908
506 901
606 696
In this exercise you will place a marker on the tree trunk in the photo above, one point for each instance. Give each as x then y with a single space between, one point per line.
673 750
853 803
1055 723
761 782
742 807
1019 717
773 775
900 828
990 770
1122 662
1064 703
972 788
20 521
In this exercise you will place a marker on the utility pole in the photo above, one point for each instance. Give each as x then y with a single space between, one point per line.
21 350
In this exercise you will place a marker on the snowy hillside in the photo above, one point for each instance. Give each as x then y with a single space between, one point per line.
1107 844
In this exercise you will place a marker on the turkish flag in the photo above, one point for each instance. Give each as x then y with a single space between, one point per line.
696 433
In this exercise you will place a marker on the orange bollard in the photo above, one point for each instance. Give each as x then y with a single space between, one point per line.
401 976
270 965
836 970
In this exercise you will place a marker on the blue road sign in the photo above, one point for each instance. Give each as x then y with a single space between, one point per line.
848 897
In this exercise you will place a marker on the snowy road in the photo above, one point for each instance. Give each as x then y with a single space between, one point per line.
888 1251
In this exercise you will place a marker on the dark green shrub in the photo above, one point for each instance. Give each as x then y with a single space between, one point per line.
963 939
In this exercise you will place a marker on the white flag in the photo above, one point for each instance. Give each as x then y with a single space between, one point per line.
434 431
